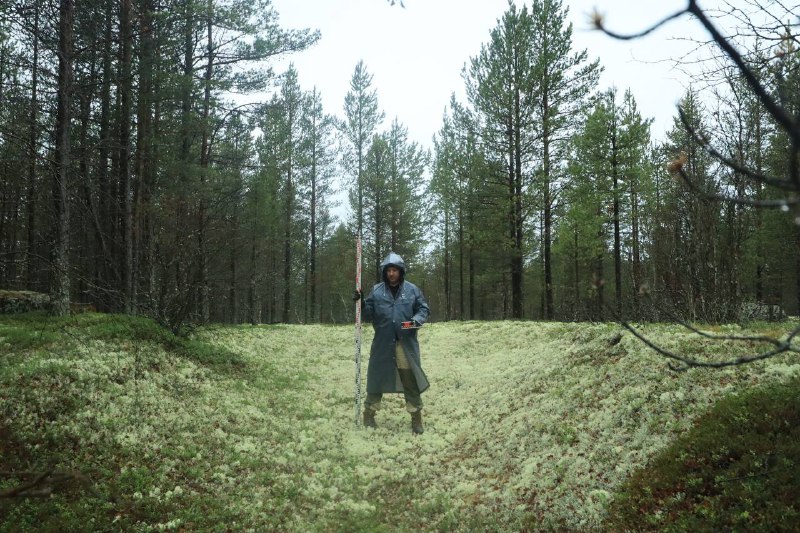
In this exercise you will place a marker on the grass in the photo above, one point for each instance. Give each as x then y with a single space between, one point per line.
529 426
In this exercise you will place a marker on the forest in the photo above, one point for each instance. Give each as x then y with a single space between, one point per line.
133 180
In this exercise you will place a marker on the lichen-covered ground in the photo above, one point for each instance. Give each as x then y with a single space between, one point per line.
528 426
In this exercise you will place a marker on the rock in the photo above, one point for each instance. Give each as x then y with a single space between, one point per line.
760 311
23 301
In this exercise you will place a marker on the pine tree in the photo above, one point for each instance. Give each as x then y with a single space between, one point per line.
60 277
563 81
587 216
407 164
500 83
696 218
362 118
316 188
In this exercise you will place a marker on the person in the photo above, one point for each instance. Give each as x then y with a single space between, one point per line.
397 309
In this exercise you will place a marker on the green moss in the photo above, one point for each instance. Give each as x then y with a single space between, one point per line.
737 469
37 331
28 331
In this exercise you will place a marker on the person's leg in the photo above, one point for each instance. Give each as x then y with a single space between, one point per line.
371 405
410 389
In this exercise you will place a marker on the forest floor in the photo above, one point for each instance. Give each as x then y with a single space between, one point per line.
110 423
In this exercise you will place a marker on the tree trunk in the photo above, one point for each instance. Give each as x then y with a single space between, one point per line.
234 261
577 285
360 186
205 158
252 299
471 272
460 260
516 268
125 189
145 157
446 258
637 260
33 156
548 225
86 244
617 239
60 281
105 278
312 258
287 245
377 243
599 276
512 219
181 205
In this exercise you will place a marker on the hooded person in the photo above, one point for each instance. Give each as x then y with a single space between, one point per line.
397 309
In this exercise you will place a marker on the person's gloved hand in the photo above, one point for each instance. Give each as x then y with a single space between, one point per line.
356 295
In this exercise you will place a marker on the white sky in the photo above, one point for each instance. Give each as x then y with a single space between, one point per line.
416 53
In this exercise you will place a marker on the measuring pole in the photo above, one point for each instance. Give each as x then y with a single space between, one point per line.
358 332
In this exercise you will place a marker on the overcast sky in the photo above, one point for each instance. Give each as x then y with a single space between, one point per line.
416 53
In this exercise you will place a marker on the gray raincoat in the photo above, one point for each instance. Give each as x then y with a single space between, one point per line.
386 314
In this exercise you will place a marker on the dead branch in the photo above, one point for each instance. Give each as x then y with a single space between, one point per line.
778 112
23 490
730 163
44 483
598 21
790 183
687 362
779 346
678 168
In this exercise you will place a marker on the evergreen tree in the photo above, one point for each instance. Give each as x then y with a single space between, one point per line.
696 219
500 83
564 79
316 189
587 216
362 118
407 165
375 202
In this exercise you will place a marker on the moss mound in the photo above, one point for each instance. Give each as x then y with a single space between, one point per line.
738 469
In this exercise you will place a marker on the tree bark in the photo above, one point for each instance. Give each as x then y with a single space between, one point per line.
205 157
615 191
60 279
516 265
145 157
125 177
33 156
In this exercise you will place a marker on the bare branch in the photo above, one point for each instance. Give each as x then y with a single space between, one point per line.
26 488
783 203
690 362
598 22
779 346
778 113
736 167
43 483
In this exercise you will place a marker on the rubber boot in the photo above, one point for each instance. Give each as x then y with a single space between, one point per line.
369 418
416 423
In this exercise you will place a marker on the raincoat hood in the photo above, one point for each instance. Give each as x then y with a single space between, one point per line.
396 261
